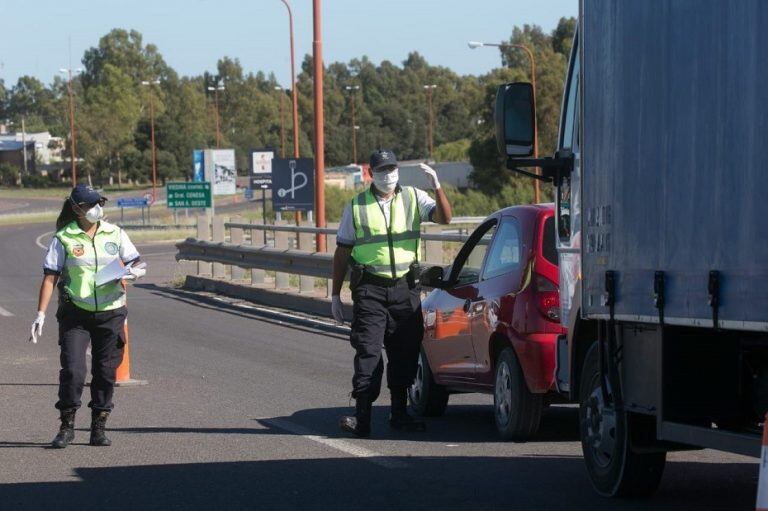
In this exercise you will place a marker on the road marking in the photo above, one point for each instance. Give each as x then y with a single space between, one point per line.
39 244
341 328
335 443
6 313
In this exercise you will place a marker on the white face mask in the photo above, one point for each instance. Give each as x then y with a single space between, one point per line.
386 181
94 214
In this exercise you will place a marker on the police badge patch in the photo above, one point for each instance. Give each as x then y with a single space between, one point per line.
78 250
110 247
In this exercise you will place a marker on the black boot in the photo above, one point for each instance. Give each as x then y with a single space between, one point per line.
360 423
98 423
398 417
67 430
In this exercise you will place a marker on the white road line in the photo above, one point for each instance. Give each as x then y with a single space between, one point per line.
39 244
335 443
282 314
6 313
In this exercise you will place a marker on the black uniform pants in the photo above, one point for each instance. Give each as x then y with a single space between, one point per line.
104 331
388 317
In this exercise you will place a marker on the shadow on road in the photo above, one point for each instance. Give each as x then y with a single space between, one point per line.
287 320
443 483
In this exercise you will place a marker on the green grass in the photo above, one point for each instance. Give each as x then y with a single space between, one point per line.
145 236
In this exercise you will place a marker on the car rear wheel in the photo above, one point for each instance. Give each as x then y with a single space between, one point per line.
517 411
614 468
428 399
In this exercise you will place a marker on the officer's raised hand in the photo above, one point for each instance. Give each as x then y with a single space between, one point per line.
337 309
431 175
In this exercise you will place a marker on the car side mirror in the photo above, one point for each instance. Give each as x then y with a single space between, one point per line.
514 117
433 277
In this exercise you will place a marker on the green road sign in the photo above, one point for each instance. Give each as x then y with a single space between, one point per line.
189 195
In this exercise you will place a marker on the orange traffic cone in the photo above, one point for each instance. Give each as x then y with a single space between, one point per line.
123 378
762 484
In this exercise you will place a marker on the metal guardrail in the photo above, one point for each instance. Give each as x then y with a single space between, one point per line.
156 227
299 262
425 236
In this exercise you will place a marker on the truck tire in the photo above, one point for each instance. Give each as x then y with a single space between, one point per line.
614 468
516 411
427 398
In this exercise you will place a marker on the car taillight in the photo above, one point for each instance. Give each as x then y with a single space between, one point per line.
547 297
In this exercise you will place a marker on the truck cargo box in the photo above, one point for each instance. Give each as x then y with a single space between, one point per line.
675 138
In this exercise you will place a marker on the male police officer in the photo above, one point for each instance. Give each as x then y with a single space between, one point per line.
379 236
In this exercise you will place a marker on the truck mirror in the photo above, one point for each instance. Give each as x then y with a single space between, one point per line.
514 117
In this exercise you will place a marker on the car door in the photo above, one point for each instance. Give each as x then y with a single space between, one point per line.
449 347
501 279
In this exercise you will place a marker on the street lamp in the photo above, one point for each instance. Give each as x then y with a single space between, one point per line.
73 166
282 120
352 89
215 89
294 92
152 135
431 117
477 44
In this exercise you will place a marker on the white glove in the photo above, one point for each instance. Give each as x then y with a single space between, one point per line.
431 175
37 327
136 272
337 309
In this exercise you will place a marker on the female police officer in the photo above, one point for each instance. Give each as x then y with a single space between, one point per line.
83 244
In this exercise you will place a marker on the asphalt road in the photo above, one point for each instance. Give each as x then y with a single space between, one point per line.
241 412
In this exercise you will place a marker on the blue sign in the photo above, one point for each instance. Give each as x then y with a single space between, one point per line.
198 166
249 193
132 202
293 184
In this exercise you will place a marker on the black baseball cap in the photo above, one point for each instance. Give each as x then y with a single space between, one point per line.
383 158
83 194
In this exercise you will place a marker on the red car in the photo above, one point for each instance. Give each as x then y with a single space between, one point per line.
492 321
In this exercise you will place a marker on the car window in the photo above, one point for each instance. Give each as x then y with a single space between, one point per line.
506 251
470 258
548 248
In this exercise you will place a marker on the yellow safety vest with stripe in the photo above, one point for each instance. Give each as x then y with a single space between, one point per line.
83 258
387 252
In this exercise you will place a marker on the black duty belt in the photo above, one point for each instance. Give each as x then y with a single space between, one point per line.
376 280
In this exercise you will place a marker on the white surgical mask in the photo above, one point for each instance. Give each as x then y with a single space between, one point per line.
386 181
94 214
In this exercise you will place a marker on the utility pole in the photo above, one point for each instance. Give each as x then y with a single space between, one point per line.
72 135
152 135
215 89
317 46
282 120
24 144
355 127
431 118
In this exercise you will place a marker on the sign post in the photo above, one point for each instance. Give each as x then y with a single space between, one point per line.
132 202
189 195
261 177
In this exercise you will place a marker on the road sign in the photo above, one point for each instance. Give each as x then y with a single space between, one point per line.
189 195
132 202
261 168
249 193
293 184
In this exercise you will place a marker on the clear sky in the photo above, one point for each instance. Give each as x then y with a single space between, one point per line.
193 34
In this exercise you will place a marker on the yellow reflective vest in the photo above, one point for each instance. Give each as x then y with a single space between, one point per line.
83 258
387 251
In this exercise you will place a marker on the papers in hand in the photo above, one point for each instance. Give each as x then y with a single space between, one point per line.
112 272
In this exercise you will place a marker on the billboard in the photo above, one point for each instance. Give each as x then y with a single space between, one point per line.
261 168
198 172
220 171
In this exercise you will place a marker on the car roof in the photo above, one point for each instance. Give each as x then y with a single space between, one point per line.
525 208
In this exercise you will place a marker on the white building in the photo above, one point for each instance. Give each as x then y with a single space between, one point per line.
47 148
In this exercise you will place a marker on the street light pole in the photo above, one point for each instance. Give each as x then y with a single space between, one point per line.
282 120
317 46
294 92
215 89
353 89
152 136
431 117
73 144
476 44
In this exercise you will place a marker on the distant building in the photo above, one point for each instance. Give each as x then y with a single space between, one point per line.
12 152
47 148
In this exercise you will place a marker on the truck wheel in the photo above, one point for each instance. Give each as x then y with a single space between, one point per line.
517 411
428 399
614 468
